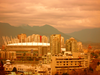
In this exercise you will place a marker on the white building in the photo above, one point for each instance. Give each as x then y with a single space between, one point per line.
62 64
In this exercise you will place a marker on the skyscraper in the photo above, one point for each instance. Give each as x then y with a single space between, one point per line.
44 39
55 43
62 42
21 37
71 45
79 46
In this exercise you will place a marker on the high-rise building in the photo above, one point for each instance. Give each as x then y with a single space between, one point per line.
62 42
55 43
37 38
79 46
44 39
71 45
21 37
33 37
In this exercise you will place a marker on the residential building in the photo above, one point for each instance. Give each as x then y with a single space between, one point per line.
61 63
2 54
71 45
8 55
45 39
21 37
79 46
47 58
55 44
62 42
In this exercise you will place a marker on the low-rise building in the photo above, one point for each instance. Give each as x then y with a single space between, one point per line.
62 64
8 55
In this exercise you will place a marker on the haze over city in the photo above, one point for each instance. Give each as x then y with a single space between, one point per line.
49 37
65 15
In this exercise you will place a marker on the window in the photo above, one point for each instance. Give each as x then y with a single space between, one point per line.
57 61
6 68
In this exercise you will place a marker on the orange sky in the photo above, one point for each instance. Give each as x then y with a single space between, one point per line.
65 15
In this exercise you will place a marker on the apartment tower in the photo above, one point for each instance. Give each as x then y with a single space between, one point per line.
71 45
55 44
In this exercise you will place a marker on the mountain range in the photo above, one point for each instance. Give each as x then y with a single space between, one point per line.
86 35
8 30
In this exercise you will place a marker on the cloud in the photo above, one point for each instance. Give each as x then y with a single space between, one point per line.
65 15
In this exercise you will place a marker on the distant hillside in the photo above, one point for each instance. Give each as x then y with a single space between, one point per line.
87 35
8 30
46 30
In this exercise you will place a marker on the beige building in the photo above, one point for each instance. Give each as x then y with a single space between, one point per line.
47 58
45 39
11 55
8 55
33 38
79 46
21 37
71 45
55 44
2 54
29 69
62 42
61 63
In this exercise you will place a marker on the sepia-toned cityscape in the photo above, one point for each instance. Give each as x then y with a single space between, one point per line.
49 37
41 55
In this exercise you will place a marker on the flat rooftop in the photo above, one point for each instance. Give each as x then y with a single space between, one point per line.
29 44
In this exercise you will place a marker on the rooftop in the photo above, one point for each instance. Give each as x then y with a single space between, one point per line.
29 44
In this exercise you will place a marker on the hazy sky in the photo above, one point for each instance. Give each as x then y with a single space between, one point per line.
65 15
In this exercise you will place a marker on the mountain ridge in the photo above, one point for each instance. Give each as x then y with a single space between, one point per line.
86 35
7 30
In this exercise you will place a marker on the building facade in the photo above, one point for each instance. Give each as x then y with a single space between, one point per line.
62 42
55 43
45 39
8 55
79 46
29 50
71 45
21 37
65 64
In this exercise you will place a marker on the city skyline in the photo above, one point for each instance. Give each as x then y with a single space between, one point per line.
46 58
66 16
